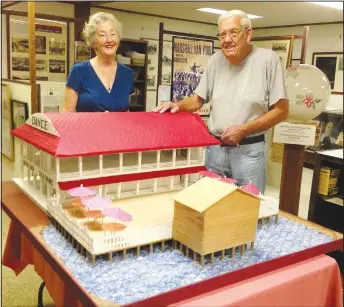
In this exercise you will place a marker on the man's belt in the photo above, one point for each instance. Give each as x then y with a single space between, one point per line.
245 141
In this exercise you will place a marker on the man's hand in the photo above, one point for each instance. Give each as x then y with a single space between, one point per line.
234 134
167 105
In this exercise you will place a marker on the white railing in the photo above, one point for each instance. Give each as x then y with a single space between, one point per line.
129 169
78 232
128 238
111 241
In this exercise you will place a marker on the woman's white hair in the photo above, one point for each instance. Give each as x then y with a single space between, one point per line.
90 28
245 21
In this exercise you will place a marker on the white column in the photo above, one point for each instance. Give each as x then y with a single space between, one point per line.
57 169
41 159
121 162
48 164
137 187
100 164
158 159
119 190
186 180
155 187
203 155
80 167
41 184
171 182
139 160
58 195
189 156
48 191
174 157
105 190
100 190
22 175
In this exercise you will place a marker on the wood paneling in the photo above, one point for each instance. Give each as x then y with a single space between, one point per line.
188 227
231 222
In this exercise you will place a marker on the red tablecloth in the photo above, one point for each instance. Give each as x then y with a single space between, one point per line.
314 282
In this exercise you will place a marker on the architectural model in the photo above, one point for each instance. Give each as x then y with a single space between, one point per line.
107 179
214 221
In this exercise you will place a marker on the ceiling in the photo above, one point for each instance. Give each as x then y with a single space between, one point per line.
274 13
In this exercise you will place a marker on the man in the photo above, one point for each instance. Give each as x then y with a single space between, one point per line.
245 87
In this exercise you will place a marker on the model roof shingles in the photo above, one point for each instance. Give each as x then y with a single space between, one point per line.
84 134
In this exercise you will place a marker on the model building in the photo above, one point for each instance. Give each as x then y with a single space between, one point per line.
129 158
212 216
107 179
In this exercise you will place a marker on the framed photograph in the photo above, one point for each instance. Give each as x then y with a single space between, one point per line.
329 130
7 149
283 46
331 63
153 54
20 113
51 45
82 51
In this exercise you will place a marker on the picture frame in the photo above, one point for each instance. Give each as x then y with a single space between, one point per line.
7 144
20 113
331 63
82 51
282 45
152 68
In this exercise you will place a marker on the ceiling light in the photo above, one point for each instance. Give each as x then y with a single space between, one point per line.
220 12
332 5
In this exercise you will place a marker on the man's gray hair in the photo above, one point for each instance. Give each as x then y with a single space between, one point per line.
245 21
90 28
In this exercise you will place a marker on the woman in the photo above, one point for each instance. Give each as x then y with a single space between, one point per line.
100 84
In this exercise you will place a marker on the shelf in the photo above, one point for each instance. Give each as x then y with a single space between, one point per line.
139 81
334 199
135 106
134 65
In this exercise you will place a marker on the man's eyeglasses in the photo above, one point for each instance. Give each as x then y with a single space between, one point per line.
232 33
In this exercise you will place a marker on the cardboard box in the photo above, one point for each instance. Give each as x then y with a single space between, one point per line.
328 181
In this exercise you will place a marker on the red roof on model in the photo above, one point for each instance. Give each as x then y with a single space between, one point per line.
85 134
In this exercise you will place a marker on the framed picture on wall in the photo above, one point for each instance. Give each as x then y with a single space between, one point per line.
152 69
283 46
7 149
82 51
331 63
20 113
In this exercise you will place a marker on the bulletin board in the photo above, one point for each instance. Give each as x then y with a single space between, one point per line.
51 49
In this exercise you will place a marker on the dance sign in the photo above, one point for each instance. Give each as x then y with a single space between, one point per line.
189 61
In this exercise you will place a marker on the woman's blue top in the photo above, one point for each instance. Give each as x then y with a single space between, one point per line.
93 96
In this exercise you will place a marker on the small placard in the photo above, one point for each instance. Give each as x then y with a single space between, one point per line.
42 122
292 133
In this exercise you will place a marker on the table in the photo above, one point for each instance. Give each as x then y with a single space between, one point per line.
25 246
314 282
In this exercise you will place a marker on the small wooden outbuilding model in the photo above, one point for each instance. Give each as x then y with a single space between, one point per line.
212 216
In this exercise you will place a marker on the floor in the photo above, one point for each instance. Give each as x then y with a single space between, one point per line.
28 281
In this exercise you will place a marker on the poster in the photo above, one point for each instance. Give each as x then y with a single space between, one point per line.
331 63
283 47
51 49
189 60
